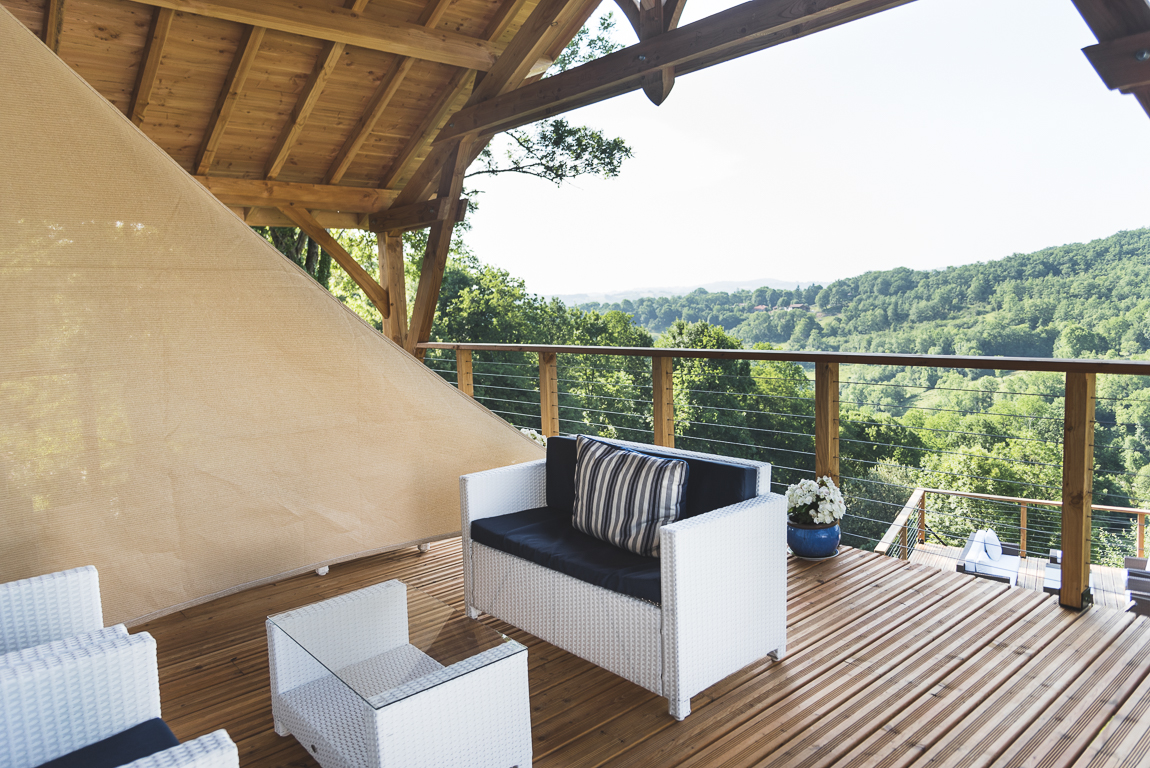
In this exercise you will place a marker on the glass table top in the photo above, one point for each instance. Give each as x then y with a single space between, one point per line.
390 641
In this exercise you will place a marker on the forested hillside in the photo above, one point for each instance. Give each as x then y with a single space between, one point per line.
1079 300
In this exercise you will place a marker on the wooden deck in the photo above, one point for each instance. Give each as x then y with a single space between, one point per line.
890 663
1109 584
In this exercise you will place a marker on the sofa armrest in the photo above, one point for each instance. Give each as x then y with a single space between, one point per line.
502 491
1010 548
215 750
50 607
52 702
724 582
1135 563
960 566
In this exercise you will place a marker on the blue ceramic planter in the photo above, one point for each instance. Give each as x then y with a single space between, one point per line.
813 542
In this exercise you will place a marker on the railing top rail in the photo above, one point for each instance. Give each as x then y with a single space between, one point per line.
1020 500
1123 367
883 547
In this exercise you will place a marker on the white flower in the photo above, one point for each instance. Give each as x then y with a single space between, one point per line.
541 439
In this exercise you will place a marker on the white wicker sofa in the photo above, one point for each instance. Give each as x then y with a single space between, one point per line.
718 599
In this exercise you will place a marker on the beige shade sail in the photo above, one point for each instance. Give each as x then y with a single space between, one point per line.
180 405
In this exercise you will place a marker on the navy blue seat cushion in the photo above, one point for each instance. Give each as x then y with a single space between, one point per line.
545 536
713 483
147 738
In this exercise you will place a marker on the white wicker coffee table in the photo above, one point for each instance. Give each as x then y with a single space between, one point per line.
389 676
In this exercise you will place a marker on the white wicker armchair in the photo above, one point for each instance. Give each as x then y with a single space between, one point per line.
49 607
723 582
58 697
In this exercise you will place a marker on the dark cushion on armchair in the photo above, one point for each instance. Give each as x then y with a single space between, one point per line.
712 484
546 537
139 741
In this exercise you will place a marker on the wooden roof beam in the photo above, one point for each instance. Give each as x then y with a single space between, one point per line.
418 215
243 193
150 65
746 28
342 25
374 291
377 105
630 11
245 56
1113 22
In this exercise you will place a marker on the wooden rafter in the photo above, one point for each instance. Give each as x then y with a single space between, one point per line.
274 194
150 65
630 12
341 25
245 56
438 244
423 180
53 24
374 291
728 34
427 128
325 63
1114 21
383 95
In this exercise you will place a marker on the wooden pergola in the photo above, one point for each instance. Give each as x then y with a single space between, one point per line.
365 114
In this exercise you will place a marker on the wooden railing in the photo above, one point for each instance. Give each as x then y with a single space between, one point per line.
917 504
1078 433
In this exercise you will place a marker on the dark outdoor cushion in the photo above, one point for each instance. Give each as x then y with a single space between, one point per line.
545 536
713 483
624 497
147 738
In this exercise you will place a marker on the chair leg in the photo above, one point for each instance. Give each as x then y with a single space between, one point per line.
680 708
472 612
424 547
778 653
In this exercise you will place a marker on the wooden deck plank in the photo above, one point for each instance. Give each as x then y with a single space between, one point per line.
889 663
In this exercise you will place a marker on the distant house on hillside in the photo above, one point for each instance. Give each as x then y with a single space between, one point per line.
761 307
798 305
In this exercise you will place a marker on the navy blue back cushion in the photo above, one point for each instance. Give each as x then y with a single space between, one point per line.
712 483
147 738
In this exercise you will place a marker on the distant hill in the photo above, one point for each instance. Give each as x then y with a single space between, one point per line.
576 299
1076 300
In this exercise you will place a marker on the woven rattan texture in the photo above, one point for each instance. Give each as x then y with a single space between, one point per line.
180 405
50 607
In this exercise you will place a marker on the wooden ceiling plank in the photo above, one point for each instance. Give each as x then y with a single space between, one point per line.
383 95
53 24
374 291
735 32
275 194
426 131
150 65
245 56
325 63
342 25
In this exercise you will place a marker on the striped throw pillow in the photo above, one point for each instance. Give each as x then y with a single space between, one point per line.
624 497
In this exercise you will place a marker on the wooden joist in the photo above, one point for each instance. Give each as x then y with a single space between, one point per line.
418 215
341 25
245 56
150 66
374 291
239 193
735 32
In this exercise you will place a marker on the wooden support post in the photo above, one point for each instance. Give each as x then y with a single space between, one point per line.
389 248
903 551
1141 535
1077 490
53 24
827 420
922 518
663 397
1022 530
438 244
463 377
548 394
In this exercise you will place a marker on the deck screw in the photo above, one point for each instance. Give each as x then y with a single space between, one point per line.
1143 55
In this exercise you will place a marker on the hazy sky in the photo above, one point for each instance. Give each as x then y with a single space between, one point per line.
941 132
